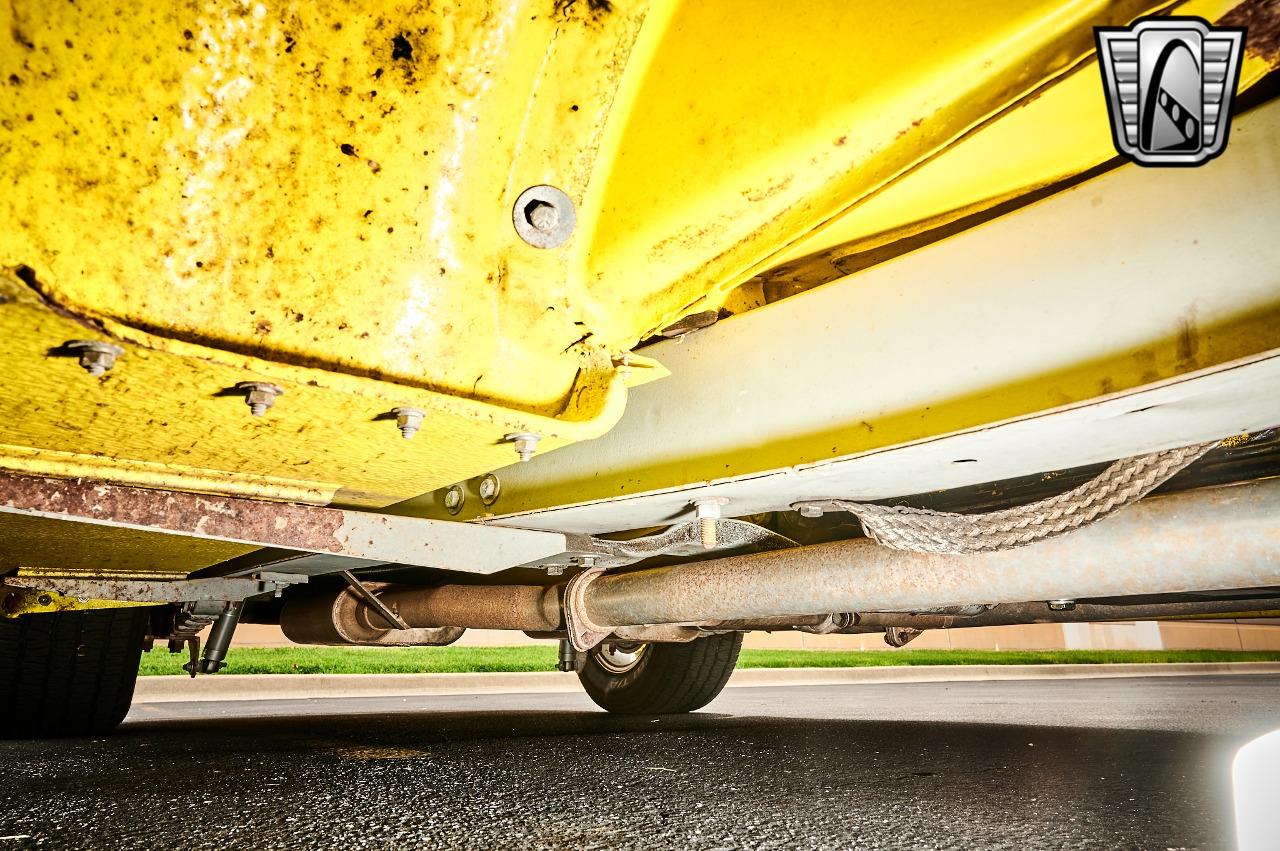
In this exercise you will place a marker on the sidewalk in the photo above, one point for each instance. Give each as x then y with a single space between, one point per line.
311 686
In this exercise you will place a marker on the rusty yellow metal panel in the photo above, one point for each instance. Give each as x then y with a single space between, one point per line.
320 196
172 420
313 196
315 185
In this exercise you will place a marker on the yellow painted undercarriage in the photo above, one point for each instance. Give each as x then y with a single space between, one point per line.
321 196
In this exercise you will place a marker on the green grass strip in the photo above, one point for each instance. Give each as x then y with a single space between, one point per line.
414 660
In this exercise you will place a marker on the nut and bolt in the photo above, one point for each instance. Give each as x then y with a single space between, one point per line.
95 356
1061 605
409 420
454 498
542 215
555 569
259 395
489 489
810 510
526 443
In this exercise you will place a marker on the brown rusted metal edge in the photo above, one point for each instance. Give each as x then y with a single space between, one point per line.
295 527
363 537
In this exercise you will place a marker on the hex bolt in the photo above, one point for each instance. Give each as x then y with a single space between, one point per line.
555 569
810 510
409 421
708 512
95 356
1061 605
489 489
259 395
526 443
542 215
454 498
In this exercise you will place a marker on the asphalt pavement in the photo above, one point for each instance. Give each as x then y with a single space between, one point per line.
1122 763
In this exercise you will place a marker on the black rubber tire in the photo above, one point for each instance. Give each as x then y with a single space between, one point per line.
668 678
68 673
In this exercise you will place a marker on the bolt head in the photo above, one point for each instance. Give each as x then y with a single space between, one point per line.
1062 605
44 599
96 363
542 216
96 357
259 395
708 508
489 489
526 443
454 498
811 511
409 420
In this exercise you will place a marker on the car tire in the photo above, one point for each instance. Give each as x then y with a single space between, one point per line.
659 679
68 673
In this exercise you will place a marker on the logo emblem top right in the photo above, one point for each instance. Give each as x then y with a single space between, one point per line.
1169 85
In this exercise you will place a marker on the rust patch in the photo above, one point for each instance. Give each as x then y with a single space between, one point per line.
283 525
757 195
595 8
1261 19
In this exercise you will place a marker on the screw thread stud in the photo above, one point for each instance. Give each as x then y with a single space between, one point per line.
707 532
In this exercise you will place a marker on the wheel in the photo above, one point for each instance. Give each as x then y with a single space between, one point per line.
68 673
659 679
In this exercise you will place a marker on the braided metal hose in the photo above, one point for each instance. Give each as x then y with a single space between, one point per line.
924 530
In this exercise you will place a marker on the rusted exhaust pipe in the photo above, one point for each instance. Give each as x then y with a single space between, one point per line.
531 608
1208 539
435 615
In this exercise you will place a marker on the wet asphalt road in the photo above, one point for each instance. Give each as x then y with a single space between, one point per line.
1035 764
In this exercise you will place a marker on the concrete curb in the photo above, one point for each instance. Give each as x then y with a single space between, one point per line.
312 686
